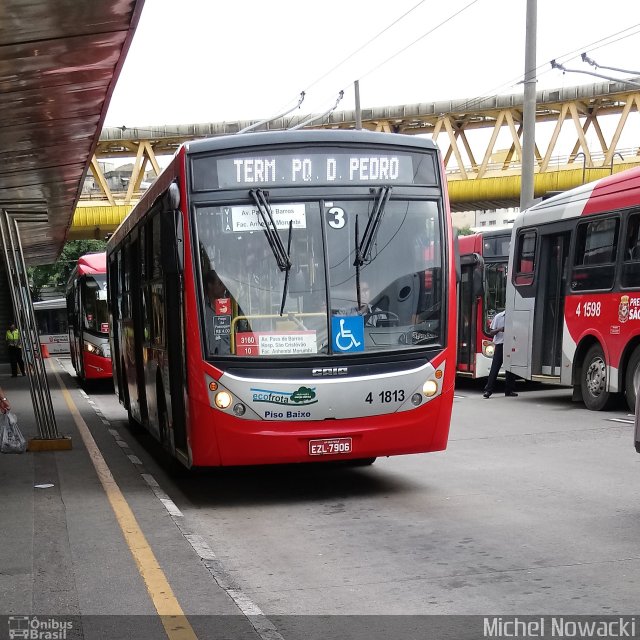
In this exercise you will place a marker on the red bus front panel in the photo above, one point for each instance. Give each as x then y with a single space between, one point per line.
370 417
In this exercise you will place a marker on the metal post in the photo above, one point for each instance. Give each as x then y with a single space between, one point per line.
529 108
584 163
356 87
42 382
617 153
25 319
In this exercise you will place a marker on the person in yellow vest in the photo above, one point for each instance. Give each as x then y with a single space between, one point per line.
14 346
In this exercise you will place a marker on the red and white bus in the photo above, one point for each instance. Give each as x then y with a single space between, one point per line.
483 259
287 297
88 318
51 320
573 295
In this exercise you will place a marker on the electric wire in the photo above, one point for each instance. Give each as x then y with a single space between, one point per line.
403 49
543 69
366 44
361 47
424 35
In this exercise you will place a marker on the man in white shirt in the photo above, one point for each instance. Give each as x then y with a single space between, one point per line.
497 331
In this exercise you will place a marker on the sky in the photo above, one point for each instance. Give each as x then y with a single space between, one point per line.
196 61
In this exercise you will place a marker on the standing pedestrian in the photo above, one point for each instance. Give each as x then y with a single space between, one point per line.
14 347
497 331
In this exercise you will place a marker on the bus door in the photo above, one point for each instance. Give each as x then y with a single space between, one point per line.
135 379
549 308
467 311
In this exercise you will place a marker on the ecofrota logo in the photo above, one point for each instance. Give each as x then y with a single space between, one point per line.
302 396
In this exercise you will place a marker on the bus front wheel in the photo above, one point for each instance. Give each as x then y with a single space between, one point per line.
632 379
594 379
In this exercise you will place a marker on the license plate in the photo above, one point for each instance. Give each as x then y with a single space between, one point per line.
329 446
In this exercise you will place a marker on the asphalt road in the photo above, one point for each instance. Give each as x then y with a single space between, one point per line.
533 509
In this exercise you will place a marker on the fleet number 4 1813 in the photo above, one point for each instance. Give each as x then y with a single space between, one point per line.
385 397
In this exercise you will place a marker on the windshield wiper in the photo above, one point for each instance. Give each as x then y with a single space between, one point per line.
271 231
363 247
288 269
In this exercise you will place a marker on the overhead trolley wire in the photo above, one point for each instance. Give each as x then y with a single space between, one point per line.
366 44
361 47
543 68
424 35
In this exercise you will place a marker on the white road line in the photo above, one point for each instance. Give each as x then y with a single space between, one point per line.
261 623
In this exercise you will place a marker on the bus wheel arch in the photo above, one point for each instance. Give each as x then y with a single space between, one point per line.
578 361
593 378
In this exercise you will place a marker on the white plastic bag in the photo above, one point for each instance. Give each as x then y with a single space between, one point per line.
11 438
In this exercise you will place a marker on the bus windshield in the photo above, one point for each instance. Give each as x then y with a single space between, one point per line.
94 300
495 288
331 298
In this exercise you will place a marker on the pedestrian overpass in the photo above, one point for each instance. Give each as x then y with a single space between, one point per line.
580 136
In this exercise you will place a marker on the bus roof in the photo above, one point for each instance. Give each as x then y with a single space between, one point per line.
618 191
53 303
92 264
472 243
327 136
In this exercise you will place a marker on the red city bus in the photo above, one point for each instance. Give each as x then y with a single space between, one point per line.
483 260
573 295
88 317
288 297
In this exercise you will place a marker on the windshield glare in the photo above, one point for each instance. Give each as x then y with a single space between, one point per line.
392 301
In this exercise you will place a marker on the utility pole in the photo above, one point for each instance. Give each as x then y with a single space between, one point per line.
529 110
356 86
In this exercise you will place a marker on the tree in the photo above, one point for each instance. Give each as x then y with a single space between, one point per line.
465 231
57 274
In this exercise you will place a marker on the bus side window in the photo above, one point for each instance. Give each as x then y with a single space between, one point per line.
633 238
631 265
525 259
595 255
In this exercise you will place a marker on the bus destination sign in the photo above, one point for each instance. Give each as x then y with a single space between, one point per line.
308 169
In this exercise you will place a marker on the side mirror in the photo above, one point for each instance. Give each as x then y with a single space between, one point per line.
456 253
478 278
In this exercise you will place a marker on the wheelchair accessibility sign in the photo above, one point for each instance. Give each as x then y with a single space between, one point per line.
348 333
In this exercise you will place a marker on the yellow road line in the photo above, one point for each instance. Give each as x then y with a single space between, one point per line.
175 623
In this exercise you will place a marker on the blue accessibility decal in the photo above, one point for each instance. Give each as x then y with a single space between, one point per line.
347 333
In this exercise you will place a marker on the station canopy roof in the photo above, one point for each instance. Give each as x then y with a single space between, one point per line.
59 62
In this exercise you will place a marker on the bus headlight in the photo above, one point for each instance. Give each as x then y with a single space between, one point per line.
488 348
239 409
430 388
223 400
416 399
94 348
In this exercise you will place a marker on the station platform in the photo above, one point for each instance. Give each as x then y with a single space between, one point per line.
87 548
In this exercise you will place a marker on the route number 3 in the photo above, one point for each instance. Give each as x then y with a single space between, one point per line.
588 309
336 217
